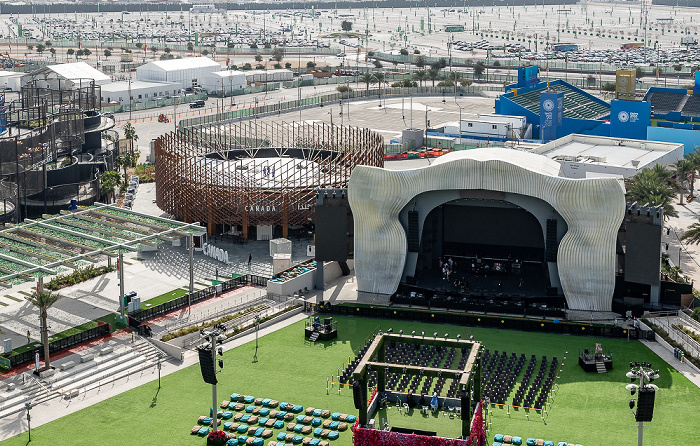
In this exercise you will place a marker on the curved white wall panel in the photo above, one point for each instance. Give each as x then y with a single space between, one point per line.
592 208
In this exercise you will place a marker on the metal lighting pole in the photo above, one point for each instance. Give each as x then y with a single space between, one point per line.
28 406
121 283
646 375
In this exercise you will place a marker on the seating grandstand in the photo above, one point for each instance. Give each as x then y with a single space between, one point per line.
576 104
692 106
666 101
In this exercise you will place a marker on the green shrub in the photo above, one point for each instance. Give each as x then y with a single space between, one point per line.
664 335
77 276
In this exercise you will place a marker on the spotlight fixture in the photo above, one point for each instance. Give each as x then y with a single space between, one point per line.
422 333
390 330
401 332
435 335
447 335
413 333
459 336
631 404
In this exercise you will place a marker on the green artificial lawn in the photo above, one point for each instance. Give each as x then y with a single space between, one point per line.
166 297
588 408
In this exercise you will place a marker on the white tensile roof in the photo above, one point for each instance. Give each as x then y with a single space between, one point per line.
185 63
79 70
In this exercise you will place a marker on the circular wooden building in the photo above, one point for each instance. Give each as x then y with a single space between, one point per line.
254 176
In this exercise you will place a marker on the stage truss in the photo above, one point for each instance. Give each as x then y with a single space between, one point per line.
257 173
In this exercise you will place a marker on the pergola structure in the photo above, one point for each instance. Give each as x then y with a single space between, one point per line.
469 377
43 247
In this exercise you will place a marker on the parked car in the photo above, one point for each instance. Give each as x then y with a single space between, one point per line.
197 104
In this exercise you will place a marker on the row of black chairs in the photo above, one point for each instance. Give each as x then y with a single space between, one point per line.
524 383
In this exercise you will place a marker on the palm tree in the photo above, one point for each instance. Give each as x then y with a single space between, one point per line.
653 186
130 134
125 161
368 78
682 169
692 235
694 158
434 74
44 300
420 76
108 181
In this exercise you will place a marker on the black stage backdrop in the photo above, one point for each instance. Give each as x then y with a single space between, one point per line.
491 226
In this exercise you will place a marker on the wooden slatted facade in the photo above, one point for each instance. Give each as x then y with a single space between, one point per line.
201 174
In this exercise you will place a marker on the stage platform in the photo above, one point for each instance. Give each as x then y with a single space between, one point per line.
345 300
320 330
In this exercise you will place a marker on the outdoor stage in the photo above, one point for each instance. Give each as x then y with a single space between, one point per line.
317 331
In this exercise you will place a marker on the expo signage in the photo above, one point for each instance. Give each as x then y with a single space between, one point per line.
215 253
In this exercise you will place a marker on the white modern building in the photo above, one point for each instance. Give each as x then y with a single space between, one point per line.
277 75
489 126
66 75
584 156
229 81
189 71
10 80
575 220
140 91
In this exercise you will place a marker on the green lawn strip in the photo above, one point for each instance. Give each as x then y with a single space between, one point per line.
25 293
3 304
203 284
13 298
72 331
111 319
588 408
165 297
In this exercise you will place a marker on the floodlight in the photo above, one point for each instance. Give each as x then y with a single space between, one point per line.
459 336
390 330
631 404
447 335
413 333
435 335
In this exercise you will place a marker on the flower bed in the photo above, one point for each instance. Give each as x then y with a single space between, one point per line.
373 437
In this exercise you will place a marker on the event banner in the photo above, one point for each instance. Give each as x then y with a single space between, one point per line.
551 114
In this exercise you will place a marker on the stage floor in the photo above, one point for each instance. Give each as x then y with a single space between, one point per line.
530 282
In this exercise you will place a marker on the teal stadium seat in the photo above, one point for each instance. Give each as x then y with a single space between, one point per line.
317 412
203 431
249 409
249 399
279 424
226 415
243 428
297 439
242 439
232 441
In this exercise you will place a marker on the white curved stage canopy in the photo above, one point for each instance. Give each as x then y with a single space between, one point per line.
593 210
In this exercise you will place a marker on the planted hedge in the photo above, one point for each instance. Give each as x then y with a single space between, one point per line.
77 276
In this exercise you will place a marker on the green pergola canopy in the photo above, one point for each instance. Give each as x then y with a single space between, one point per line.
44 246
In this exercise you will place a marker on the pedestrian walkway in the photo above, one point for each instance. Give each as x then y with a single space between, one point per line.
684 368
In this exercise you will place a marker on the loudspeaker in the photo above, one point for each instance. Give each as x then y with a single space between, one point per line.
413 237
552 246
645 404
464 402
358 396
206 363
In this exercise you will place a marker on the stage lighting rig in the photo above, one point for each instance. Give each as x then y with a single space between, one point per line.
645 391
